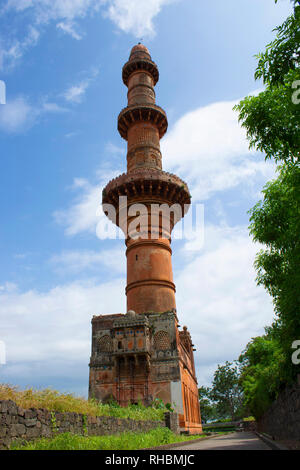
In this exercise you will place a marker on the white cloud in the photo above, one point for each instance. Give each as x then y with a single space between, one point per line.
208 148
130 16
79 261
219 302
218 299
64 12
8 287
133 16
85 212
13 50
205 147
47 10
53 108
17 115
43 326
69 28
114 149
75 93
82 214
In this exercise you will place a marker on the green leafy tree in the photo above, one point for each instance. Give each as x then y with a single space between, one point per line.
272 119
275 222
227 392
272 122
261 377
207 407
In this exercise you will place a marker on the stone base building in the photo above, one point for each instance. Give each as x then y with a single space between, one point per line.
138 358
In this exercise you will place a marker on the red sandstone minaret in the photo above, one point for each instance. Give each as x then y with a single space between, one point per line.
142 123
142 355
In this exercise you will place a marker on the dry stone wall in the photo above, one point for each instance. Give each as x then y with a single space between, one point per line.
17 423
282 420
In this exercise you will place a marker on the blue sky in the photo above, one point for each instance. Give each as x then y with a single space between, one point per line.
61 61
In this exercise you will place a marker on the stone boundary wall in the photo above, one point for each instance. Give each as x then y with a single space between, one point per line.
18 423
282 420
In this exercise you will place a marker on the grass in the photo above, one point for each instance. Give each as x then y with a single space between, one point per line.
54 401
124 441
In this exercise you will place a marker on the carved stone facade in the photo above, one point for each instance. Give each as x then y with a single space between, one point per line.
142 355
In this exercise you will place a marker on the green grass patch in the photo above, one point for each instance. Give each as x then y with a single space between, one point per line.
124 441
54 401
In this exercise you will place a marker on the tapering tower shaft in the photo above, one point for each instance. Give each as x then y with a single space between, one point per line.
142 123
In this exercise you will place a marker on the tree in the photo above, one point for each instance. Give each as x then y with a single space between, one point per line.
275 222
272 119
226 391
260 372
208 409
272 122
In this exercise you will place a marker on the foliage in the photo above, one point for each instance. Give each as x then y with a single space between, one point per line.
282 54
207 407
272 122
160 405
261 376
124 441
275 222
272 119
226 391
55 401
249 418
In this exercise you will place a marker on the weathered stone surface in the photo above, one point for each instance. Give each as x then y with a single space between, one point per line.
17 430
30 422
39 423
282 420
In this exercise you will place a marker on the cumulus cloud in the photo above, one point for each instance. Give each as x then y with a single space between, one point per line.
80 261
133 16
220 301
54 326
208 148
84 213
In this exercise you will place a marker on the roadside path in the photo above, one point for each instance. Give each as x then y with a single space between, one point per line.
233 441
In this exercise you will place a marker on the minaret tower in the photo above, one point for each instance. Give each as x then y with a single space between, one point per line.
142 123
142 355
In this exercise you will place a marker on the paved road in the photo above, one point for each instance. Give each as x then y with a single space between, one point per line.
233 441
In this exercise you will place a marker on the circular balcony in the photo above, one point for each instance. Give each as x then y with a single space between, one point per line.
142 113
147 186
139 65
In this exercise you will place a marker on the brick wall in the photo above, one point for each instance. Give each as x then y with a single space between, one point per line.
282 420
17 423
